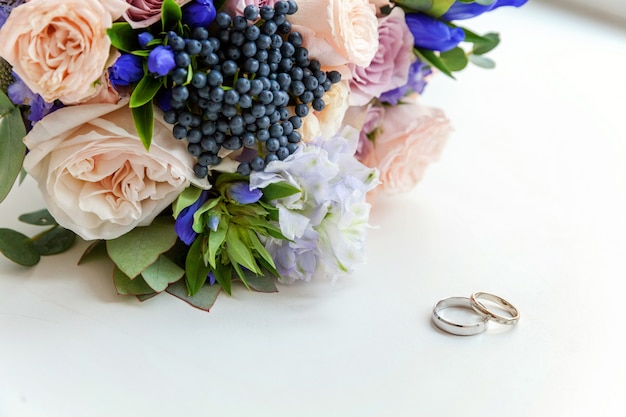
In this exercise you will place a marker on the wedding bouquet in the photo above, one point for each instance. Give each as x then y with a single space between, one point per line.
201 142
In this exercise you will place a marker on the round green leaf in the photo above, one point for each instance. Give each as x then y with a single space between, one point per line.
38 218
55 241
18 248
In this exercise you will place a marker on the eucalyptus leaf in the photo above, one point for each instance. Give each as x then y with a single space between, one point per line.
261 283
38 218
140 248
162 273
12 149
97 249
144 123
123 37
145 297
482 61
18 247
57 240
487 43
203 299
127 286
455 59
196 271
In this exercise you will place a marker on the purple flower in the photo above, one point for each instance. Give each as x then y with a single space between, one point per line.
184 222
418 71
3 16
433 34
161 60
21 95
126 70
242 194
460 11
199 13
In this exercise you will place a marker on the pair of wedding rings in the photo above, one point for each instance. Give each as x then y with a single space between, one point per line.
476 304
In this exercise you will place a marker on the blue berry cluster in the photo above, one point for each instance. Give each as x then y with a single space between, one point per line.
234 85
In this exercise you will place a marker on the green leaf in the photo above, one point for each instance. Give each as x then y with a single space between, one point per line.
203 299
18 248
12 149
142 52
484 2
488 43
123 37
260 249
38 218
433 60
279 190
144 123
482 61
440 7
140 248
455 59
223 276
144 297
195 270
238 252
162 273
145 90
97 249
130 286
56 240
171 14
189 196
261 283
216 240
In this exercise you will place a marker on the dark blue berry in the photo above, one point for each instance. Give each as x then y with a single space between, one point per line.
282 153
194 135
232 143
334 77
267 13
272 145
251 12
199 79
223 20
200 171
194 149
179 76
193 46
244 168
179 131
252 33
170 116
270 157
257 164
248 139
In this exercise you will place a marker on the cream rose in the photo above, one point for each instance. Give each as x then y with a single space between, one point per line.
408 138
59 48
338 32
336 100
97 178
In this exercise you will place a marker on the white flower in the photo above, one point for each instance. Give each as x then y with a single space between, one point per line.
327 219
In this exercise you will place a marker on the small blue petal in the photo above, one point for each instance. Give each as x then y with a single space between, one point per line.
242 194
199 13
213 222
184 222
161 60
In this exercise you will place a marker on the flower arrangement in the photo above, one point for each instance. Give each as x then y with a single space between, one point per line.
203 142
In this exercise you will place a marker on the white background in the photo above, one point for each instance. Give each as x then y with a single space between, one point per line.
528 202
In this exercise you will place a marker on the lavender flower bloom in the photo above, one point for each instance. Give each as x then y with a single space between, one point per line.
21 95
126 70
199 13
430 33
3 15
416 82
460 11
161 60
184 222
327 220
242 194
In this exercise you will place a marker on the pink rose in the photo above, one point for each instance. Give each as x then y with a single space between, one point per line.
95 175
143 13
235 7
59 48
390 67
408 138
338 32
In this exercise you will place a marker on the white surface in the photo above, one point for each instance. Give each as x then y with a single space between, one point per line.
528 202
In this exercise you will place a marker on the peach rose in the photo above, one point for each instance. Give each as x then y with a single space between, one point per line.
59 48
408 138
97 178
338 32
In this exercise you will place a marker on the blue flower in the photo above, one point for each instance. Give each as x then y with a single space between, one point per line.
242 194
199 13
184 222
433 34
161 60
143 38
416 83
4 14
126 70
460 11
21 95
